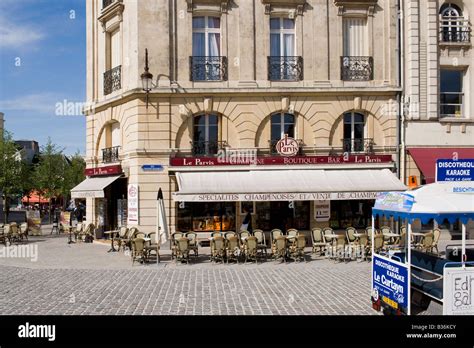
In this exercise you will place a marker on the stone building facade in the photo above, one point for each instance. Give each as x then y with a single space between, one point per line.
237 76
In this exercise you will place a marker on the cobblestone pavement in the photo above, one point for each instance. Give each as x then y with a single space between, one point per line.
85 279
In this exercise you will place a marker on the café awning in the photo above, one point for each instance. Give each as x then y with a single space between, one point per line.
93 187
284 185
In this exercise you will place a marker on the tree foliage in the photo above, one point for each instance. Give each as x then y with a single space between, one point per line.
12 170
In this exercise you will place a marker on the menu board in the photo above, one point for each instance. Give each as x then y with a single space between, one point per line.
34 222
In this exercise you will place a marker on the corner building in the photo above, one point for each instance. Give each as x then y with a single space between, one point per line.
230 80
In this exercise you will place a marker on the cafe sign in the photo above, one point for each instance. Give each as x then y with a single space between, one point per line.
270 197
132 201
287 146
102 171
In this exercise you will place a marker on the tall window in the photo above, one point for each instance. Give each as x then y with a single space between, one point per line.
114 50
281 124
283 64
206 36
355 37
354 124
282 37
206 62
451 93
206 134
113 63
454 28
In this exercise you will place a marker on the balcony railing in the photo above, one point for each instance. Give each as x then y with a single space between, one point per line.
106 3
285 68
113 80
110 154
454 29
451 104
358 145
207 148
208 68
273 150
357 68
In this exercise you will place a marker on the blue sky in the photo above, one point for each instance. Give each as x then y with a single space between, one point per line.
43 62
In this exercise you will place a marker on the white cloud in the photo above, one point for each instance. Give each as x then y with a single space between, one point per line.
37 103
14 35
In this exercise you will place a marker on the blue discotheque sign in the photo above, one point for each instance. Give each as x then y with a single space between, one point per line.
390 283
455 170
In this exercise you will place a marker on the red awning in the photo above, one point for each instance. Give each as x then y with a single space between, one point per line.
425 158
35 198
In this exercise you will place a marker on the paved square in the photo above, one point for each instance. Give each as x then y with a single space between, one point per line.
86 279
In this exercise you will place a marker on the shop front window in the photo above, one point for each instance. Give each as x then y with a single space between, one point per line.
354 213
206 217
283 215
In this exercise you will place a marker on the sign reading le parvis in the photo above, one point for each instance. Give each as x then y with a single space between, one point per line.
455 170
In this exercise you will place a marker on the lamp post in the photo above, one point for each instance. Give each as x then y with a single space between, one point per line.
147 78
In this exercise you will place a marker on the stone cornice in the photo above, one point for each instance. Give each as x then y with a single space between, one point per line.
278 6
221 6
356 7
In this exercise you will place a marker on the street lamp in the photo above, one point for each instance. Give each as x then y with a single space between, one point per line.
147 78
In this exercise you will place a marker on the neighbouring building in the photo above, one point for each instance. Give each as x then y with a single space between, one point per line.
239 86
438 84
30 150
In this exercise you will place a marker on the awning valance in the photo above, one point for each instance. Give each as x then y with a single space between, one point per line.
425 158
438 201
285 185
93 187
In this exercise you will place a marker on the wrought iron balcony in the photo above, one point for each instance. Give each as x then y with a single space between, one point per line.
106 3
451 104
207 148
110 154
454 29
285 68
357 68
208 68
273 150
113 80
358 145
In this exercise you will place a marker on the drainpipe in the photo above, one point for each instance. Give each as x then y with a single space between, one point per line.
400 95
403 86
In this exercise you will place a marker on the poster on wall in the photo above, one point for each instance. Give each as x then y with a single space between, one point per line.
132 203
322 210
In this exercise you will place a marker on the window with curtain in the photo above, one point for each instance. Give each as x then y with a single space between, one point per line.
282 37
206 58
206 36
355 37
206 134
354 125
